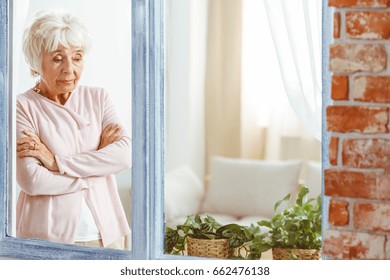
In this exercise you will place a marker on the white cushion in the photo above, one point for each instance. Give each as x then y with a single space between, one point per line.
313 178
243 187
223 219
183 193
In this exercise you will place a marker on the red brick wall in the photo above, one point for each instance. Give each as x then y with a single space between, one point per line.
358 180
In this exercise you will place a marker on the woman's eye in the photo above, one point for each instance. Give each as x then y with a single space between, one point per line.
77 58
57 59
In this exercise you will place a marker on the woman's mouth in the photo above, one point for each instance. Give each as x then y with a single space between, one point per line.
66 81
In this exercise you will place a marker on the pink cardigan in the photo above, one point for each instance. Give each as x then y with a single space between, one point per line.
49 203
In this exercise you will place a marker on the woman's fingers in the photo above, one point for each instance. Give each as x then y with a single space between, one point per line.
28 153
41 153
106 129
31 146
114 128
115 136
110 134
27 143
111 129
25 140
32 135
31 139
114 132
26 146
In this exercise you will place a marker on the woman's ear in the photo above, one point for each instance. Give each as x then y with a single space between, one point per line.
34 73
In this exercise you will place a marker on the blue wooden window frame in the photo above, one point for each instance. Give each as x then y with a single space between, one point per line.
148 140
147 106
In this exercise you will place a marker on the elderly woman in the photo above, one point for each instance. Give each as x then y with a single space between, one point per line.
69 141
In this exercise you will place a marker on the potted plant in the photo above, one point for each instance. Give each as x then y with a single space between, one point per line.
292 233
203 236
295 232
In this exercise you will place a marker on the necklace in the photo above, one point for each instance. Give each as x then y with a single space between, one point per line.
36 88
62 99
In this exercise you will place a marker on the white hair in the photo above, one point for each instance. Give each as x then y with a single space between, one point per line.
49 29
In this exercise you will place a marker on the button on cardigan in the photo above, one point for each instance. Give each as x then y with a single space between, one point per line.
49 203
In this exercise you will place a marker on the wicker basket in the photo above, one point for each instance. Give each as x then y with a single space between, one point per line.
301 254
208 248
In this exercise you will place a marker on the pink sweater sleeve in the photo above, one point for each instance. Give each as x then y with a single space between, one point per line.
109 160
35 179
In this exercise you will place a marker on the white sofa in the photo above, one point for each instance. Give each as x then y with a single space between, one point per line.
240 191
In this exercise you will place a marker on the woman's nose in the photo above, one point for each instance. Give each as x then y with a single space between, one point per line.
68 66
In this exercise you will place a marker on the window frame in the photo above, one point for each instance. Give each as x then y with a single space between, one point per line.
148 140
147 133
327 19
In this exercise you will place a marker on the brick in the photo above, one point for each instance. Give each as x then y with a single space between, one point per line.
366 153
372 216
383 186
338 213
368 25
371 89
349 245
343 183
359 3
340 87
333 150
336 25
350 58
357 119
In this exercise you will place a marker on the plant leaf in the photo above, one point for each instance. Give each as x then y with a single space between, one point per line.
277 204
198 220
265 223
302 195
229 227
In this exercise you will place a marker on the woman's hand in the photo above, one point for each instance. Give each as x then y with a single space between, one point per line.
31 146
111 133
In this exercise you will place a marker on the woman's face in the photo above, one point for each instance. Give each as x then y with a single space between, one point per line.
61 70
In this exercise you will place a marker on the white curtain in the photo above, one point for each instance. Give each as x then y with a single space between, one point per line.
185 46
296 32
266 108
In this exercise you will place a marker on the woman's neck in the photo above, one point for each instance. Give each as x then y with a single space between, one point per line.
57 98
60 98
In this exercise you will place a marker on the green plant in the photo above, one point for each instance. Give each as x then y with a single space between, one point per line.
207 227
298 226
